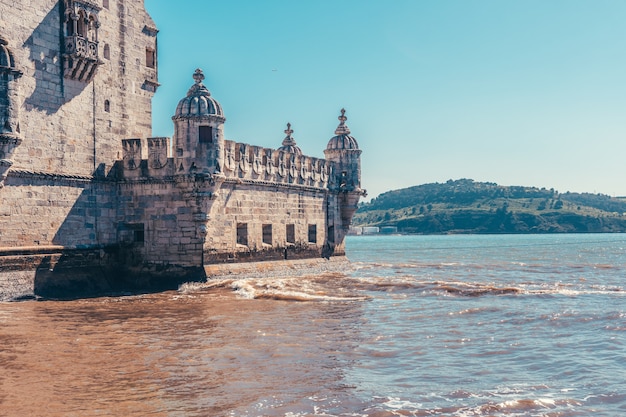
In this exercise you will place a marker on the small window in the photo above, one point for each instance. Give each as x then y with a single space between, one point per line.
107 106
242 234
206 134
139 236
150 58
105 4
107 51
312 233
267 234
291 233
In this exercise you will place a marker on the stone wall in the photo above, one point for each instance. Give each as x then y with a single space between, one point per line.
44 209
70 126
263 213
160 219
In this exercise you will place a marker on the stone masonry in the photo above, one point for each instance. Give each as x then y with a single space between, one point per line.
91 203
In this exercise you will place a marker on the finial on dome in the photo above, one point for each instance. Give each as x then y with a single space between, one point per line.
289 143
289 131
342 129
198 76
343 117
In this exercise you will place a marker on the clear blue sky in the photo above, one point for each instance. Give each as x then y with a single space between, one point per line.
528 92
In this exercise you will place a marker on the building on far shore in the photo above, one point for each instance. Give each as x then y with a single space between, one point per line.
91 202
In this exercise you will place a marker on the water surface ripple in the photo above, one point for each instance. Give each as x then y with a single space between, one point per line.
422 326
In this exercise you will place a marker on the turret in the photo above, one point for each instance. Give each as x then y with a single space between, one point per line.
343 150
199 131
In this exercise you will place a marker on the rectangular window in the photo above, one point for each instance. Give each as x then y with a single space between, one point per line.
206 134
242 234
139 236
267 234
150 58
291 233
312 233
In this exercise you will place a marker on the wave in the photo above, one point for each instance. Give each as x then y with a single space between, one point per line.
360 287
393 406
318 288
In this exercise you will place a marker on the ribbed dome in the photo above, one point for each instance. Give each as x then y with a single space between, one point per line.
198 101
343 140
289 143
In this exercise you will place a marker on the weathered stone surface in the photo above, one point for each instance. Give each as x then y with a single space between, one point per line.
91 203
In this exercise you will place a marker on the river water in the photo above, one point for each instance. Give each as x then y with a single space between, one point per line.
507 325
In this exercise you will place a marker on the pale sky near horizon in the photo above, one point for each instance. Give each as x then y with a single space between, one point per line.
526 92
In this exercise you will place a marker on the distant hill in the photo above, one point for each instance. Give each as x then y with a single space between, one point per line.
465 206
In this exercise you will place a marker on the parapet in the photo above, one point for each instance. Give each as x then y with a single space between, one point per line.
247 162
158 163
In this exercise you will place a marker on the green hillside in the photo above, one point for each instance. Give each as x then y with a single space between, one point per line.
465 206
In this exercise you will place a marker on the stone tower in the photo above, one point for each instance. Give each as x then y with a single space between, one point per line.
199 131
343 150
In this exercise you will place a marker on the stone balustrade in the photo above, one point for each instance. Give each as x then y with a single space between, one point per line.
248 162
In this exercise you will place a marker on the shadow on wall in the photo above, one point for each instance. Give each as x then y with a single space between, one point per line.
101 255
50 91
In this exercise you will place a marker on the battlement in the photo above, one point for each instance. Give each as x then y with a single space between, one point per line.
242 162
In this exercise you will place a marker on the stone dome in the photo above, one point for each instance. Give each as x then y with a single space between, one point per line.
289 143
343 139
198 102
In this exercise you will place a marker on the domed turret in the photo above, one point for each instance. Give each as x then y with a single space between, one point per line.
198 102
199 131
343 150
342 140
289 143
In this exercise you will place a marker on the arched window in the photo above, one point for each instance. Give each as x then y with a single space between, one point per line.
92 33
107 106
107 51
81 27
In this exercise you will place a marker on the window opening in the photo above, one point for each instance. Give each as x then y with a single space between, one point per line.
291 233
81 26
139 236
312 233
267 234
242 234
150 58
107 106
206 134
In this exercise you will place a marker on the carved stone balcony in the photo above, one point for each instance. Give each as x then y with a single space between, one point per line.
80 58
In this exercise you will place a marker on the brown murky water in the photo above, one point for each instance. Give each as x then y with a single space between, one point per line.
203 353
506 326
